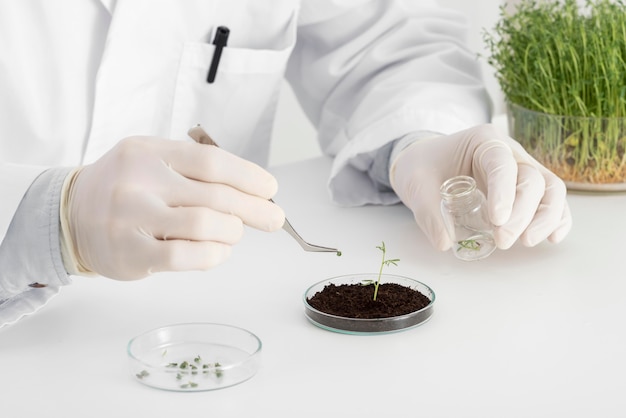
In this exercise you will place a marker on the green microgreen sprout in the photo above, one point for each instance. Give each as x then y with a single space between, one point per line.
188 369
192 368
218 370
469 244
382 264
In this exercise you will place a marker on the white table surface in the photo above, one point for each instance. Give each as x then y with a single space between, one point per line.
535 332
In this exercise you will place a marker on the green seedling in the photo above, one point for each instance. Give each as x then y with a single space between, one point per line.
383 264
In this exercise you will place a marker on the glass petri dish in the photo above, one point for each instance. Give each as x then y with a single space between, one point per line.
194 356
361 326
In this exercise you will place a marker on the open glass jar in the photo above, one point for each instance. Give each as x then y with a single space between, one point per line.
464 210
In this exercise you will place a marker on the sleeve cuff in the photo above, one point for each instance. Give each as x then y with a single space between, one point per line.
30 253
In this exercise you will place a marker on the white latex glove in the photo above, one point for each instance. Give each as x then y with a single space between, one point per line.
525 200
152 205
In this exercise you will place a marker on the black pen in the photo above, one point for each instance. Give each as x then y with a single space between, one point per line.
220 39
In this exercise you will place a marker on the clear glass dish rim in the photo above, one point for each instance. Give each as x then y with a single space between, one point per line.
370 320
256 352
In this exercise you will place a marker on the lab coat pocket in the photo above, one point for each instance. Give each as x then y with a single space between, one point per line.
238 108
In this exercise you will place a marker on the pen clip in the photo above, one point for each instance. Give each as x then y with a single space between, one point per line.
220 40
200 136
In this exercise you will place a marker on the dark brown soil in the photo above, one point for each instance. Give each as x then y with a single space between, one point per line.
356 300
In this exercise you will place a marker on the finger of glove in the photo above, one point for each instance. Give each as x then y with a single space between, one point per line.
424 201
140 255
495 163
564 227
529 193
194 224
254 211
214 165
181 255
552 214
434 229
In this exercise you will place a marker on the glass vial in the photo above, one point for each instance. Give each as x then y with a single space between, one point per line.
465 214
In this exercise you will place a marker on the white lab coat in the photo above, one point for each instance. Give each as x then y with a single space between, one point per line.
76 76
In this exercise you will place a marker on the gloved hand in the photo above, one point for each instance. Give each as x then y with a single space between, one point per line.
152 205
525 200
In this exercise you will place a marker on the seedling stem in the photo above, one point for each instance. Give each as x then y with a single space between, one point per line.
382 264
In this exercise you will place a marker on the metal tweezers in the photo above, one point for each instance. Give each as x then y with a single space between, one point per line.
200 136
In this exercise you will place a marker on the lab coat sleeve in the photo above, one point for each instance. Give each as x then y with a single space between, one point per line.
370 72
32 266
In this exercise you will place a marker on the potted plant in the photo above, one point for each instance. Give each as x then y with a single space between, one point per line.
370 302
562 70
